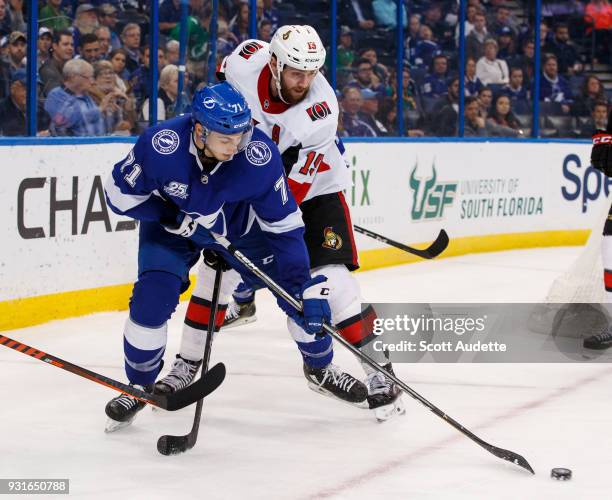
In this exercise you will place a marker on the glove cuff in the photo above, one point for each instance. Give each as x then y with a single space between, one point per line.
600 138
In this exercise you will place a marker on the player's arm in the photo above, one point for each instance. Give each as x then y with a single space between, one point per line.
281 221
132 189
225 70
312 157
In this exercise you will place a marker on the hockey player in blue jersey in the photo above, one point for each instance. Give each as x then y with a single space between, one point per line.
186 178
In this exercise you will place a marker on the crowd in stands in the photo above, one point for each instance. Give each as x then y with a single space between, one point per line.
93 63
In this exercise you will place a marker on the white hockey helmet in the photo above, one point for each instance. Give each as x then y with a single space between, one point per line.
298 47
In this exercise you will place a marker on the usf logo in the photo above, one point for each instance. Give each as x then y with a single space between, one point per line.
430 197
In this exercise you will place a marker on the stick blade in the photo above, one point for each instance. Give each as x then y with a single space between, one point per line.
439 245
510 456
205 385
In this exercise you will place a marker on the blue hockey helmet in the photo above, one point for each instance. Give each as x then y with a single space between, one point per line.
221 108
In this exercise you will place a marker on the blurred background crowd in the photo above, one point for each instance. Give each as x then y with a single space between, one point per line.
93 63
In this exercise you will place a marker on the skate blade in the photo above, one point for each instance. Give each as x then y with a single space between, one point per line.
387 412
324 392
240 322
114 425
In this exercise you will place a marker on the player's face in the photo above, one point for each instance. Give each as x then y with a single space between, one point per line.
295 84
221 146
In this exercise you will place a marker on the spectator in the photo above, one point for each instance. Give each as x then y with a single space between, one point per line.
544 34
5 78
139 79
118 110
599 12
433 17
85 22
516 90
5 19
53 16
62 51
103 34
270 13
474 125
351 106
45 40
503 19
554 87
265 30
414 27
16 50
13 109
591 93
526 61
411 96
345 55
130 37
426 48
474 42
597 121
502 122
239 24
172 51
470 16
72 111
107 17
365 77
14 12
563 48
443 118
505 39
490 69
380 70
166 97
89 49
117 58
485 98
385 14
169 15
358 14
369 110
472 82
435 84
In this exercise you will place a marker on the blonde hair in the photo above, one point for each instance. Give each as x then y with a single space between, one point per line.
166 75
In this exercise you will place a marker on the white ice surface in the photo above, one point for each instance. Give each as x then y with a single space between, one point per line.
265 435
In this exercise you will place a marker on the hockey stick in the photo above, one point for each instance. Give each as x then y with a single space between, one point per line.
173 445
272 285
433 250
171 402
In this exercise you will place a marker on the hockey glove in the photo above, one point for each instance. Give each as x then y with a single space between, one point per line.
601 154
213 260
187 227
316 310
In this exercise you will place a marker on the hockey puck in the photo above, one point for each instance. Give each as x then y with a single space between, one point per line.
561 474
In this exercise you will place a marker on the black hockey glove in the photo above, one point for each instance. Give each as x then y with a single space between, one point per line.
214 260
601 154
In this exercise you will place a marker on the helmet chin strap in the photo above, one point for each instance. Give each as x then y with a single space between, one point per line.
277 80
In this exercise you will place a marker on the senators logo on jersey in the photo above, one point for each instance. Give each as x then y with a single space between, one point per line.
319 111
331 239
249 49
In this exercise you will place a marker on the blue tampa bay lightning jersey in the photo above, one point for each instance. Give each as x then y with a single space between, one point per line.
162 176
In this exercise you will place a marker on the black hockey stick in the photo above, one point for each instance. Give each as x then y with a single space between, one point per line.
272 285
433 250
171 402
173 445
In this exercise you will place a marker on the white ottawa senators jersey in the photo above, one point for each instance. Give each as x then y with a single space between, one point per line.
305 132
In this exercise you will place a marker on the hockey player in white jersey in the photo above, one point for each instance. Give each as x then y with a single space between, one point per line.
294 105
